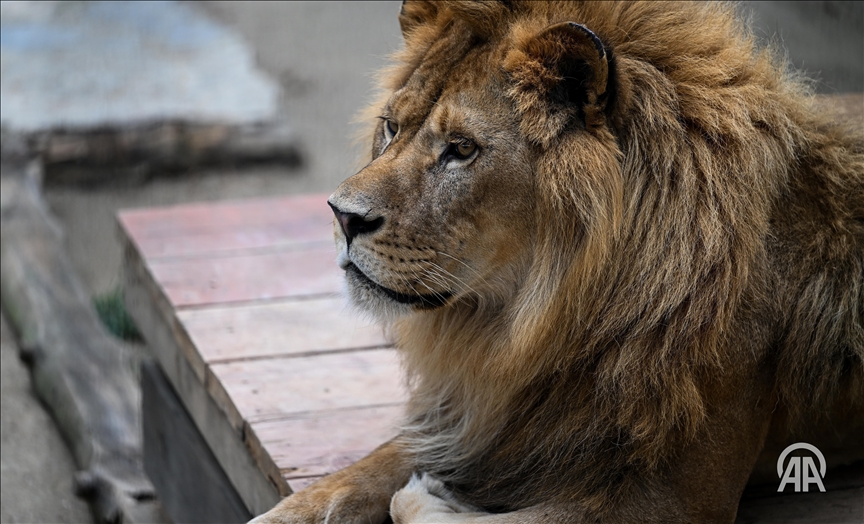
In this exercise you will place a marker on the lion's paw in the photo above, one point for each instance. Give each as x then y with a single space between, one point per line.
311 506
426 499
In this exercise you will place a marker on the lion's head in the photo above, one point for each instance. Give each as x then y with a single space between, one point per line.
567 169
464 177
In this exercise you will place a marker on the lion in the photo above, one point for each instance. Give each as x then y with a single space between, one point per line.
621 253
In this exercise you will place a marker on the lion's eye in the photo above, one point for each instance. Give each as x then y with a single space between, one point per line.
391 128
465 148
461 149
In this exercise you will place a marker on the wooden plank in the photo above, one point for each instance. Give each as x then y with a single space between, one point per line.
252 334
158 234
319 443
208 217
234 239
167 340
272 388
176 458
278 329
244 277
105 154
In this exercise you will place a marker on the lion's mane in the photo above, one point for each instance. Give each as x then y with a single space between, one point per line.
673 248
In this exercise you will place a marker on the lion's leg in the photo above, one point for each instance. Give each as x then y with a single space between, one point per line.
360 493
703 479
707 476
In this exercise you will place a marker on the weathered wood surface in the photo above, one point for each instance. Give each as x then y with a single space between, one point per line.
297 439
228 226
268 389
257 486
175 453
209 280
83 376
224 334
241 304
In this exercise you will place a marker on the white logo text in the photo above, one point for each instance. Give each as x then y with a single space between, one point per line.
801 471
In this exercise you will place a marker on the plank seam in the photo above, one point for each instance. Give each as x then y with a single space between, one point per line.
286 473
318 413
230 304
286 247
310 353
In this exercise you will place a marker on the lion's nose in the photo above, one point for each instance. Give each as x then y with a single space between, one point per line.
354 224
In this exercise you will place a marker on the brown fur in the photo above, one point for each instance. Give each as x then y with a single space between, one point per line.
642 289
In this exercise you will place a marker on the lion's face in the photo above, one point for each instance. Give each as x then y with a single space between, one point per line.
463 181
443 212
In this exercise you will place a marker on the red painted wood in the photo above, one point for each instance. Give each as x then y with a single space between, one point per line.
278 387
255 286
246 237
323 442
298 484
281 328
183 219
212 280
217 227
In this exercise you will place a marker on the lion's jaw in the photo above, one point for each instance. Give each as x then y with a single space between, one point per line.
421 228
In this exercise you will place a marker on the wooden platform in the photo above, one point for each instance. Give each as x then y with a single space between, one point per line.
241 303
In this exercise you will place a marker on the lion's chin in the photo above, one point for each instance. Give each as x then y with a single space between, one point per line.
374 298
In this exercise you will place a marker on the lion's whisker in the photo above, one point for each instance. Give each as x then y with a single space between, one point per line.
436 294
476 273
455 278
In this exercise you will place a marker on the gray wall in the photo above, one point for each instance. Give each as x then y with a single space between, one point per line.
823 39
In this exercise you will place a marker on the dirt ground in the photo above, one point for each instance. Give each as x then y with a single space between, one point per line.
323 55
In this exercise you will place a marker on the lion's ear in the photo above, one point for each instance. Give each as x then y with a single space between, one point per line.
415 13
560 76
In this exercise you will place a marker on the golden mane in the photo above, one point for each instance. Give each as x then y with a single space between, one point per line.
649 245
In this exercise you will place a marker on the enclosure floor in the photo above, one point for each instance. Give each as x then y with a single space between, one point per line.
254 295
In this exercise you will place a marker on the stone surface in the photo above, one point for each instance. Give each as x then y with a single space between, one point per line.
97 64
36 470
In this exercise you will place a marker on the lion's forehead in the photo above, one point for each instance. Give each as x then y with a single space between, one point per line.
456 72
